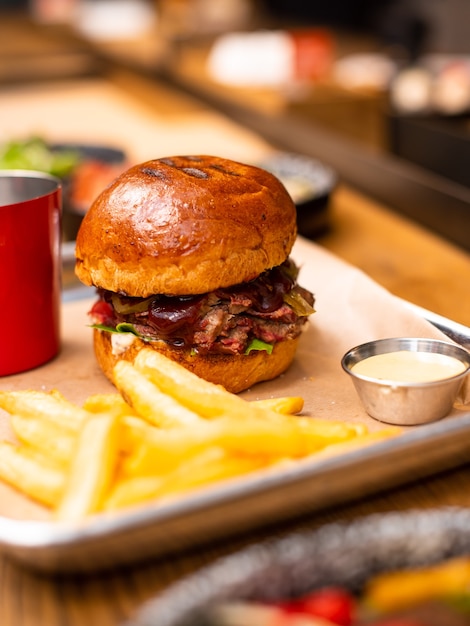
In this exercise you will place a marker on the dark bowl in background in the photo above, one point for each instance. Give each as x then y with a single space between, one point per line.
310 184
345 554
72 214
106 154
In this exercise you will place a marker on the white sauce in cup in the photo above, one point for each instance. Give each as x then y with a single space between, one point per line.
409 367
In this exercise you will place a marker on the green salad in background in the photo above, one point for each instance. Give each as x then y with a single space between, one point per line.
35 154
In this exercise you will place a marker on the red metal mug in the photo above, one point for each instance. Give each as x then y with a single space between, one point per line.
30 269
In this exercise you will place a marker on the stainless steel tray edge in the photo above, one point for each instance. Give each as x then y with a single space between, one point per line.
455 331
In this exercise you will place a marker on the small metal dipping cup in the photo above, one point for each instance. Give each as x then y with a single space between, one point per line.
405 403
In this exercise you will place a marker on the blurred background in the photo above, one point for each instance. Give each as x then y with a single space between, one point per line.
384 78
334 61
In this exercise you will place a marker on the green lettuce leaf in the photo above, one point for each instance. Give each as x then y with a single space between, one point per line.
257 344
120 328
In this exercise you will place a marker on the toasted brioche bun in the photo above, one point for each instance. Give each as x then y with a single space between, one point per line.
185 226
188 225
234 372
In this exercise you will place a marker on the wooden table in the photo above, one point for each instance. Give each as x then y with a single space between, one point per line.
404 258
408 260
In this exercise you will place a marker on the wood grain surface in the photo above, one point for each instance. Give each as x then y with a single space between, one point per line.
407 259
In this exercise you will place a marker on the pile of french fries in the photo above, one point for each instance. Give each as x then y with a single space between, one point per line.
164 433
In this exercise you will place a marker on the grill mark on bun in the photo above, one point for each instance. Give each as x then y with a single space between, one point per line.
220 168
153 172
167 161
194 171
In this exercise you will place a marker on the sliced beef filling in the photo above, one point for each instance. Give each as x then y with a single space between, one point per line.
271 308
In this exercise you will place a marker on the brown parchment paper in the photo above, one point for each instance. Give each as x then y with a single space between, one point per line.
350 309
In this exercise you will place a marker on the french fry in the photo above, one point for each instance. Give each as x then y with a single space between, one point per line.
318 433
213 401
108 403
45 436
158 450
31 474
92 468
51 406
166 432
359 442
57 394
198 395
289 438
210 465
148 401
150 450
288 405
258 437
131 491
141 489
135 431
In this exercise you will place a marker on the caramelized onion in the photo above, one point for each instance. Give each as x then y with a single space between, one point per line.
126 305
298 304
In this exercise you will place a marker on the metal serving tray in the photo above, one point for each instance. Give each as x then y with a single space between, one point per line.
243 504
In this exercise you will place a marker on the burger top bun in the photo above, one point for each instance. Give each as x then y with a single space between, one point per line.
185 225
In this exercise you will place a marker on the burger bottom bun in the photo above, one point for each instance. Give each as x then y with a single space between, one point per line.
234 372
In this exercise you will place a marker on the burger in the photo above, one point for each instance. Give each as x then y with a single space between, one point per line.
190 257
